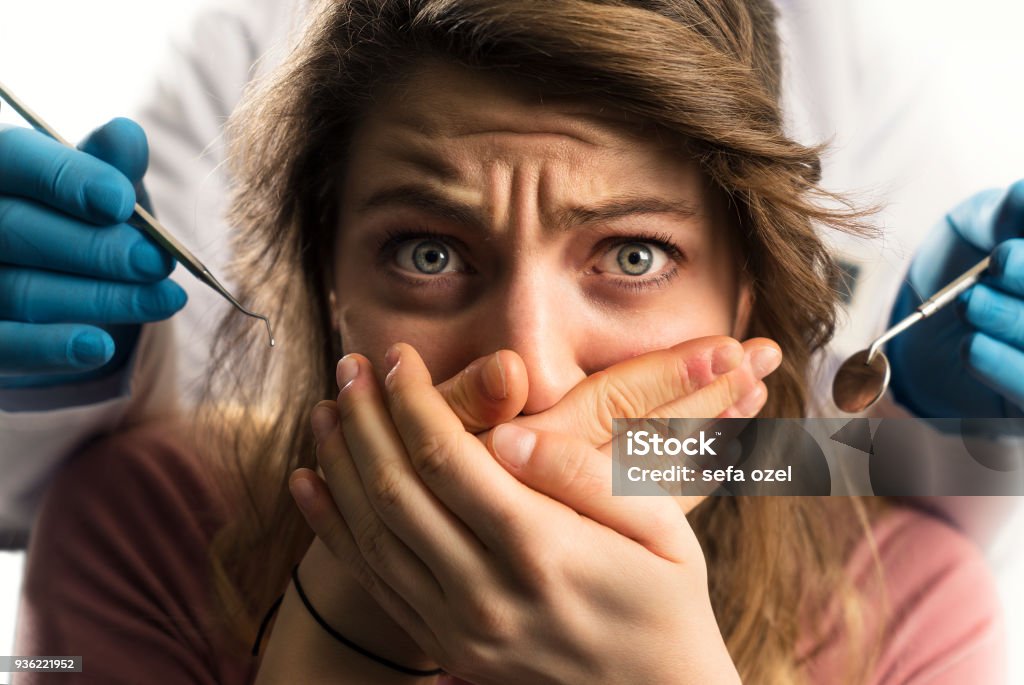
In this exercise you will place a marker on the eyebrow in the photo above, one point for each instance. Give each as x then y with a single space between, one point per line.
421 197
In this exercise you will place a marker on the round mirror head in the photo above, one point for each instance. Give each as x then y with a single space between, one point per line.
857 384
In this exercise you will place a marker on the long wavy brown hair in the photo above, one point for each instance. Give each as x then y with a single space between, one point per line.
707 71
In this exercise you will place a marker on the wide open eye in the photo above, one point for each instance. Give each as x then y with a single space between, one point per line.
633 259
427 256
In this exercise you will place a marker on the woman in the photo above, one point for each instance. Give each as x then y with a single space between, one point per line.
572 183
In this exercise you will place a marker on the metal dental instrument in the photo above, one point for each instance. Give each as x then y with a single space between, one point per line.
142 219
862 379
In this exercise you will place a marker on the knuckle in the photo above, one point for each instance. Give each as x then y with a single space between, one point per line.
104 253
458 389
717 396
60 179
432 456
363 574
384 488
371 537
614 399
491 623
117 304
540 562
687 372
623 399
573 472
330 529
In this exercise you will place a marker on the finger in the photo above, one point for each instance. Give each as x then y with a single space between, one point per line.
379 548
322 514
721 398
36 167
579 476
27 349
636 387
391 485
489 391
998 365
122 144
990 217
452 463
1006 270
749 405
36 236
44 297
995 314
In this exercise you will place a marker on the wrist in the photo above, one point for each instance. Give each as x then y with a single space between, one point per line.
704 658
350 610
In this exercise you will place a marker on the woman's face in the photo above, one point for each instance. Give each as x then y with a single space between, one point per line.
477 216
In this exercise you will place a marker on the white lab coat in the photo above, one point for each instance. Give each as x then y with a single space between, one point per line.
883 118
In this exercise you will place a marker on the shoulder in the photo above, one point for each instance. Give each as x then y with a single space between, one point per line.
943 615
139 507
930 600
130 501
120 552
151 471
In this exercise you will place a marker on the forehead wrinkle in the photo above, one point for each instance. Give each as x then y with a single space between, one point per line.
507 118
424 197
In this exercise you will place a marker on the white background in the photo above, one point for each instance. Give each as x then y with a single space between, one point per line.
79 64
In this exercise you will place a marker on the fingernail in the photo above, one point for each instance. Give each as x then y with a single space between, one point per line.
324 420
513 445
304 493
765 360
391 357
348 368
493 375
726 357
91 349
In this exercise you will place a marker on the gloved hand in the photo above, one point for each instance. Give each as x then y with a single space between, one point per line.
966 360
76 282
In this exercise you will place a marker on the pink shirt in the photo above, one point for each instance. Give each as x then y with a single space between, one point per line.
117 573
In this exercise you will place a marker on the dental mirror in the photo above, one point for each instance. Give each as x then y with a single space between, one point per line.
862 379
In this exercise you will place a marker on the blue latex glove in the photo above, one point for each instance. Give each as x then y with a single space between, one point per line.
76 282
967 360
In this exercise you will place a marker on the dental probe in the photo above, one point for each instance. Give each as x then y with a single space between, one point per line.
142 219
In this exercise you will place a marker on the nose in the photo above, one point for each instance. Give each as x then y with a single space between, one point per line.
538 321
